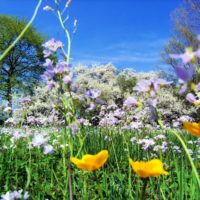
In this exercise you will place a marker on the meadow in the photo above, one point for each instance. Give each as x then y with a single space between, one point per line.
43 175
75 141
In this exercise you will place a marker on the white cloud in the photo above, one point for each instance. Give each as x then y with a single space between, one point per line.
145 52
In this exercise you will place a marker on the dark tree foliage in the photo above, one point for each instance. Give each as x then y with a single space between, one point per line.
126 84
20 70
186 21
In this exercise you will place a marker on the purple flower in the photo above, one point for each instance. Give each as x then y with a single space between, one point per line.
26 195
48 149
185 118
198 87
185 57
135 125
176 124
48 75
119 113
17 194
146 143
75 88
160 137
197 53
130 102
93 94
100 101
102 113
26 100
142 86
73 129
152 85
112 107
39 139
185 74
67 79
47 53
40 120
17 135
52 45
48 63
51 85
153 102
183 89
62 67
82 121
109 120
92 106
191 98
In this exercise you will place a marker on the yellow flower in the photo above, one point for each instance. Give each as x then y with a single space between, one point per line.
145 169
91 162
193 128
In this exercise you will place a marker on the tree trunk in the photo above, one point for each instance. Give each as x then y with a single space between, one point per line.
9 95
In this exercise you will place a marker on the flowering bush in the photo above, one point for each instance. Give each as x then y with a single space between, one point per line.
137 123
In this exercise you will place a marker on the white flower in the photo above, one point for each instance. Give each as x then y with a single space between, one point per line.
146 143
7 109
48 149
26 195
17 194
39 139
7 196
133 139
160 137
17 135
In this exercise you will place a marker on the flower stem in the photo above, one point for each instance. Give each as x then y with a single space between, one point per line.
185 149
98 186
23 31
67 35
145 181
70 181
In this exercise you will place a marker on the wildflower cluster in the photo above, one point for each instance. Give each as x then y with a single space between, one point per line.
17 194
60 71
186 72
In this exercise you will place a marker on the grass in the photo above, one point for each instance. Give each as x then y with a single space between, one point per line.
42 175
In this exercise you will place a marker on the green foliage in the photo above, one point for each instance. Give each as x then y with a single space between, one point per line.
21 68
116 179
126 82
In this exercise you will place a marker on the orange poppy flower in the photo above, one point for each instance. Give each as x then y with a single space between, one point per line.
193 128
146 169
91 162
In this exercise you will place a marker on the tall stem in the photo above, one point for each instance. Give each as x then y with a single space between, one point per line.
23 31
69 121
185 149
145 181
68 36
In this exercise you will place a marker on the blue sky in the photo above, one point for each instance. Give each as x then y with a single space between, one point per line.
128 33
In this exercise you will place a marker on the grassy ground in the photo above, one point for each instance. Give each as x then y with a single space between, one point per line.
45 176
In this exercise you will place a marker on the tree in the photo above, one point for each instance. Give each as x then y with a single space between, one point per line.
20 70
126 80
186 21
